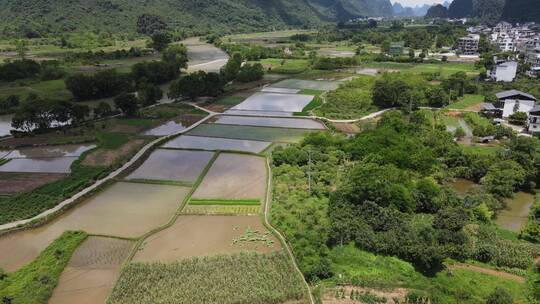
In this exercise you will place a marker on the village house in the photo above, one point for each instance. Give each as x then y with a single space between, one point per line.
534 120
508 103
468 45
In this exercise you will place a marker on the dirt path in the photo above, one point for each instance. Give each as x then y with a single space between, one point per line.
492 272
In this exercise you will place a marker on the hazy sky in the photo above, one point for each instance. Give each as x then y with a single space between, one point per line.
418 2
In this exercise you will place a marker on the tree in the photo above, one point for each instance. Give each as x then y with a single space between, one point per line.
149 24
103 109
176 55
518 118
160 41
190 86
127 103
500 296
411 53
459 133
250 73
503 178
232 68
149 94
10 102
437 97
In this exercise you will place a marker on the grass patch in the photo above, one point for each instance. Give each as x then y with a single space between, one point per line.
111 140
285 66
229 101
468 100
354 266
35 282
311 92
240 278
221 209
223 202
315 103
481 150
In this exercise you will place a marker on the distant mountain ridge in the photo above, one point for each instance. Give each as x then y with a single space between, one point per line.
492 11
43 17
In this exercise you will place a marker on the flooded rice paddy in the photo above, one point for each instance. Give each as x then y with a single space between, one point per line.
92 271
123 210
320 85
214 143
50 151
516 213
293 123
279 90
174 126
193 236
462 186
259 113
39 165
275 102
173 165
234 176
250 132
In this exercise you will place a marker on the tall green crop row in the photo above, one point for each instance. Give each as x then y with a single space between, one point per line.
242 278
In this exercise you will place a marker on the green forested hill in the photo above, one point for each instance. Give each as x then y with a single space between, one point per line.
43 17
521 11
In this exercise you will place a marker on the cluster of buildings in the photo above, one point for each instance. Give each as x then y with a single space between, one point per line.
522 39
511 102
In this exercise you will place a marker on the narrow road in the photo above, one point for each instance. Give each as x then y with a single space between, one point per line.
500 274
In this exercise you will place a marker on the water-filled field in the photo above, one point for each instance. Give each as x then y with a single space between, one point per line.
259 113
39 165
173 165
250 132
214 143
234 176
92 271
50 151
204 56
320 85
293 123
173 126
123 209
275 102
193 236
271 89
516 213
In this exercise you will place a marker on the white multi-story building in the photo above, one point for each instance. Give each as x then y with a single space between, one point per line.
506 44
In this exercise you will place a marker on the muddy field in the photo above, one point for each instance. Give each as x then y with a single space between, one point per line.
193 236
234 176
293 123
221 210
92 271
104 157
50 151
286 135
174 126
13 183
173 165
123 209
214 143
39 165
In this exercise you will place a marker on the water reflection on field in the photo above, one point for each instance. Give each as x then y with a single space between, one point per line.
517 210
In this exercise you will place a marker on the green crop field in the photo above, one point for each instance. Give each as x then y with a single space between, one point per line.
250 133
466 101
285 66
203 202
241 278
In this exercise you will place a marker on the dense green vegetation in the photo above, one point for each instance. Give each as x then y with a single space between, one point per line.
360 268
241 278
521 11
34 283
531 231
352 100
385 192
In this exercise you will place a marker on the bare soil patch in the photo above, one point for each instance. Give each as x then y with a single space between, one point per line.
347 128
234 176
91 272
104 157
193 236
500 274
13 183
342 294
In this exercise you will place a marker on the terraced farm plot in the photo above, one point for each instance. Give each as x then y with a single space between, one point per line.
195 236
214 143
173 165
13 183
51 151
234 176
299 84
270 89
275 102
221 210
174 126
228 279
293 123
123 209
92 271
251 133
39 165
